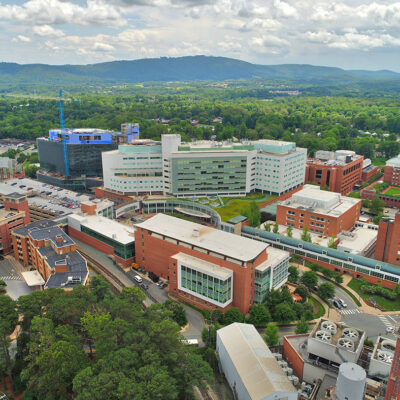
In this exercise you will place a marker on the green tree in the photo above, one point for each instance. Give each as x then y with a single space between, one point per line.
3 286
326 291
276 228
8 322
377 206
286 295
309 279
209 335
328 273
271 335
301 327
178 312
253 214
338 278
293 274
302 291
284 313
259 315
289 231
216 316
305 234
332 242
99 287
233 315
267 227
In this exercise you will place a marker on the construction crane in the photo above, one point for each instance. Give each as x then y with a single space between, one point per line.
63 135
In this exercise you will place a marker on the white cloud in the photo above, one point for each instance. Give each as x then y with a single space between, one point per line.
47 30
23 39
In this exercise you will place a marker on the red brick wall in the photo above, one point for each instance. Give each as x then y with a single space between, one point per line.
394 376
98 245
365 176
157 253
332 225
293 357
388 241
339 180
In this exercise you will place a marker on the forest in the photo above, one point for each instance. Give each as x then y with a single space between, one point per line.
90 344
364 124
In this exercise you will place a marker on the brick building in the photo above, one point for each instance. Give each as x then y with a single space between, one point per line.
388 242
47 248
9 169
340 170
392 171
207 267
393 385
323 212
14 215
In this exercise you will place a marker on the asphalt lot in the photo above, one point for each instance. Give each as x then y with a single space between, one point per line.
7 271
16 287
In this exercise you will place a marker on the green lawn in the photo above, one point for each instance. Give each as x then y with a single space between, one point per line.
388 305
379 162
235 207
318 308
395 192
252 196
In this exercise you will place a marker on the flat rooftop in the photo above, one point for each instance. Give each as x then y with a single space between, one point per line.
275 256
312 199
224 243
43 224
256 366
204 266
357 240
112 229
52 233
4 214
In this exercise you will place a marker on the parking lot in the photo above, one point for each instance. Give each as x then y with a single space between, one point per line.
16 286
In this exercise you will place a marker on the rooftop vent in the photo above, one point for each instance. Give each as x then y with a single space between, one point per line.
385 356
351 334
346 344
196 232
323 336
329 326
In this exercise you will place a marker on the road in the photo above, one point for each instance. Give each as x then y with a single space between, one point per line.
16 287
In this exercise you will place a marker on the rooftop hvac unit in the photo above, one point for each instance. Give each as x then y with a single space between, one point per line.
388 345
346 344
350 383
278 356
294 379
288 371
329 326
323 336
351 334
385 356
283 364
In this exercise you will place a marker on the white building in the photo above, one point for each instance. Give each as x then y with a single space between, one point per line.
204 167
250 368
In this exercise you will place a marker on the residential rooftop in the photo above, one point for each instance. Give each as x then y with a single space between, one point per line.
214 240
312 198
256 366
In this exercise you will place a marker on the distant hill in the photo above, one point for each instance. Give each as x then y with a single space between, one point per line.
180 69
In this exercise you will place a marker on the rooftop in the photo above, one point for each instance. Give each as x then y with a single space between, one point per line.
4 214
205 266
394 162
275 256
54 233
112 229
334 158
258 369
312 199
43 224
212 239
357 240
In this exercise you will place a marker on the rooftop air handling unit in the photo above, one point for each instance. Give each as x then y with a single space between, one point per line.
385 356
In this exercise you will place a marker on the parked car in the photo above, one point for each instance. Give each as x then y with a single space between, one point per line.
389 329
337 304
343 304
144 286
137 278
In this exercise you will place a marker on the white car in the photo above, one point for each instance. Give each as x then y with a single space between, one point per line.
137 278
389 329
344 305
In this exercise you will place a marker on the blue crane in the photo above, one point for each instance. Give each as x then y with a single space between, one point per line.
63 135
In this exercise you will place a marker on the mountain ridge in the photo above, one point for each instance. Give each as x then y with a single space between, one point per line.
188 68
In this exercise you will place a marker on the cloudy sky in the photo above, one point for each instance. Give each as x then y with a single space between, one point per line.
344 33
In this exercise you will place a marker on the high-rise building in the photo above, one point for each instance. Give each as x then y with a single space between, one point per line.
388 242
84 149
204 168
340 170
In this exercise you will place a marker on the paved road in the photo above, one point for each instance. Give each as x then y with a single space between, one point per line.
16 287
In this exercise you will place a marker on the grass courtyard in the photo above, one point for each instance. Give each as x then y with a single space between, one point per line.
235 206
388 305
394 192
